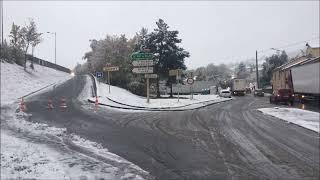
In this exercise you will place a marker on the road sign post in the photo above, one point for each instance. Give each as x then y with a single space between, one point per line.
148 91
142 70
99 75
142 63
110 69
109 80
191 81
177 78
177 73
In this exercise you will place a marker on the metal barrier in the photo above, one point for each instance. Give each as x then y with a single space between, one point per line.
42 62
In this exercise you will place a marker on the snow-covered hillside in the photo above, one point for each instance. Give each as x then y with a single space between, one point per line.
26 147
15 82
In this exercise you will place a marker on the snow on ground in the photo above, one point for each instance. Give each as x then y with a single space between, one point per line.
15 82
22 159
35 159
304 118
123 96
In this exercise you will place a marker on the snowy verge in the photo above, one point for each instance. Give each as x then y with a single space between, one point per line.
122 98
24 159
304 118
16 82
38 151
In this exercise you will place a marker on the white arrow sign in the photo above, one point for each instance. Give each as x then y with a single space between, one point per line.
143 63
142 70
114 68
152 76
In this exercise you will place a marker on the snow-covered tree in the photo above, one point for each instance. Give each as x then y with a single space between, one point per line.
16 44
29 36
164 44
242 71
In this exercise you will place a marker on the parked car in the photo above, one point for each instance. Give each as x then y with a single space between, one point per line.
225 93
258 92
282 95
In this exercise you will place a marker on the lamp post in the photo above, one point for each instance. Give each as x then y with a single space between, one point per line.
55 46
257 72
1 23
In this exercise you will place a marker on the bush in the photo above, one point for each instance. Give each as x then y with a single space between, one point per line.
137 88
12 55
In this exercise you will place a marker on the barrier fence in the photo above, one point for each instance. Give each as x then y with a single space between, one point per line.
47 64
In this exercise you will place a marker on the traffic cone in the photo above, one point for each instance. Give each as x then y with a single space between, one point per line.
97 102
22 105
50 104
63 104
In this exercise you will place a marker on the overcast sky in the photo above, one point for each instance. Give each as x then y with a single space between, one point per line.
213 32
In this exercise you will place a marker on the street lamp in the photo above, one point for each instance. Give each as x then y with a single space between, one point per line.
55 46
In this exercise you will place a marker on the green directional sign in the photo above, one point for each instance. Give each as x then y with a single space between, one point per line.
142 56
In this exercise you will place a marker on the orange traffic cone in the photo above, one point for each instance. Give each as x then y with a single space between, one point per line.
97 102
63 104
50 104
22 105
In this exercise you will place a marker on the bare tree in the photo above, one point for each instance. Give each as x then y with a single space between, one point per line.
36 40
29 37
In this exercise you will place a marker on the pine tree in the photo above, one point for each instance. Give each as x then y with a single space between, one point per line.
164 44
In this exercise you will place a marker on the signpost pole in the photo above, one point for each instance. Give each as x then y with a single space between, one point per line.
148 93
109 80
191 87
192 92
177 77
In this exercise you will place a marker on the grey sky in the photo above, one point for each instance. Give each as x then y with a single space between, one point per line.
213 32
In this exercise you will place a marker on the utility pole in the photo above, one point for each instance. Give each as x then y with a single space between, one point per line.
257 72
55 47
1 23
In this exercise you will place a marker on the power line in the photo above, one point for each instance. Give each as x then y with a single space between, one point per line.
289 45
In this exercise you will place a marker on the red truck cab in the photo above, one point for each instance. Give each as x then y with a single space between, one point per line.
282 95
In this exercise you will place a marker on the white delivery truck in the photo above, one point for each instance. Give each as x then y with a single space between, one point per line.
238 86
305 80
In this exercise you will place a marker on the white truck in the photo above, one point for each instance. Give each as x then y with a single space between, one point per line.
305 80
238 86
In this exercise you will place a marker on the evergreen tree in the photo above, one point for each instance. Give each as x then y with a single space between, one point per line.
164 44
242 71
16 42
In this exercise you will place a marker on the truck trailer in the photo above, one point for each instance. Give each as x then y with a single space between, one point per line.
305 81
238 86
301 76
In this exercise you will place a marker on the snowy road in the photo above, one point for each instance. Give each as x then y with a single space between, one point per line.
222 141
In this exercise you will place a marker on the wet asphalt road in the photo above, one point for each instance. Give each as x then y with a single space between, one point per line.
230 140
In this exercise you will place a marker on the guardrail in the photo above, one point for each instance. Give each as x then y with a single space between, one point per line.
94 87
42 62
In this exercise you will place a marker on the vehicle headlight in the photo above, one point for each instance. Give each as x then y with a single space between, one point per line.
278 95
302 96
